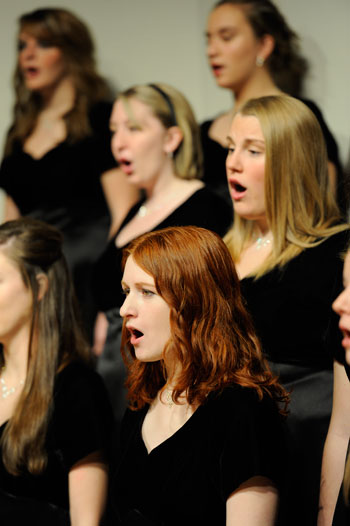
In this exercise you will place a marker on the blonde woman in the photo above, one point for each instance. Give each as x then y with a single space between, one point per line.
286 242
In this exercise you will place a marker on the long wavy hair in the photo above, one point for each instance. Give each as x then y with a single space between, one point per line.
286 65
212 336
300 206
172 109
55 338
61 28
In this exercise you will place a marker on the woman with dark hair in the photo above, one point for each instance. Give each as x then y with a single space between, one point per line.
253 52
286 242
57 163
156 141
202 440
55 418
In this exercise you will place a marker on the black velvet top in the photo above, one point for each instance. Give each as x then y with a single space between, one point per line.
292 308
203 208
187 479
62 186
215 158
81 423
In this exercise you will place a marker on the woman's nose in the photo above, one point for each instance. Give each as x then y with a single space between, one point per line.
342 303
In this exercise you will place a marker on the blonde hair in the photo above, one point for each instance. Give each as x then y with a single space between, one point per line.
300 207
167 104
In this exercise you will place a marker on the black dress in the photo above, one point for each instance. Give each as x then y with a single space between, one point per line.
215 158
187 479
63 188
81 423
292 312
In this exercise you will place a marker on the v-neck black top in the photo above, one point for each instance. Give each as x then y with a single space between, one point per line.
187 479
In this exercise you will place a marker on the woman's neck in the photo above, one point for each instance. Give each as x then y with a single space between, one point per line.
16 358
260 84
60 99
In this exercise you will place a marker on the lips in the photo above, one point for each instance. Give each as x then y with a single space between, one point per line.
346 337
135 335
30 72
237 190
217 69
126 166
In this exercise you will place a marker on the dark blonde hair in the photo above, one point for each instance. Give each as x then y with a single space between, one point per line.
172 109
55 337
300 206
286 65
212 335
61 28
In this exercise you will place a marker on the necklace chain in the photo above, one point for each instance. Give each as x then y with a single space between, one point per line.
7 391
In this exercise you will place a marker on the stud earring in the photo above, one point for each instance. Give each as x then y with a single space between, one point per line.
259 61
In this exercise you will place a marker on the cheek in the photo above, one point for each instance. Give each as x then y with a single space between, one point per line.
54 60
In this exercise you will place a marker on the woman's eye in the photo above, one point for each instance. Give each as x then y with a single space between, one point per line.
45 43
21 45
230 150
146 292
125 291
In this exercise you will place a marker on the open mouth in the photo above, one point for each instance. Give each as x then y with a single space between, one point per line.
237 190
126 166
135 336
31 71
216 69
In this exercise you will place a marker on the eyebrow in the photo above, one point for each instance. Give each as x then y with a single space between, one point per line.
246 141
140 284
222 30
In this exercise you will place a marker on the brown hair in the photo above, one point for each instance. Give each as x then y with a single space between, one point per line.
212 335
63 29
55 339
286 65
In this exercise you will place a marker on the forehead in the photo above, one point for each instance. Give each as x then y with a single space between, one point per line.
246 126
131 109
227 15
134 273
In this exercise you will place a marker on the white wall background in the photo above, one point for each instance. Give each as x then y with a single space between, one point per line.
163 40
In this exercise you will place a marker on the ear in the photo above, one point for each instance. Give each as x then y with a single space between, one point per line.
267 45
173 139
43 285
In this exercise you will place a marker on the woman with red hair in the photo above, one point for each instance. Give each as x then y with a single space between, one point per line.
202 439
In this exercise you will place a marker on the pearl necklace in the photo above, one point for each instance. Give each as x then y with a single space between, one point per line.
6 391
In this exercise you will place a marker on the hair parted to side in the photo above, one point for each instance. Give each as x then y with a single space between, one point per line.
56 337
300 206
188 158
212 336
286 65
63 29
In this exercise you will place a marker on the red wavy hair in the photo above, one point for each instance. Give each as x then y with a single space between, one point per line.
212 335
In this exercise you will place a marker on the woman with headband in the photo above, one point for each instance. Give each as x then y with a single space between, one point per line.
157 145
